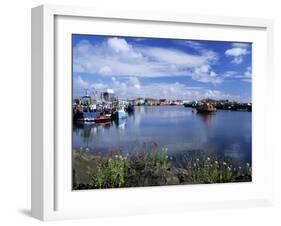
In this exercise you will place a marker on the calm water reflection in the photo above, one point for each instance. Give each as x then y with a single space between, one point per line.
174 127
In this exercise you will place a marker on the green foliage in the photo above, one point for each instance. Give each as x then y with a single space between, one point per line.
99 177
116 170
110 172
209 170
157 159
154 167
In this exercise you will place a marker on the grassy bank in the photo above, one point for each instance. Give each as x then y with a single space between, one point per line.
152 168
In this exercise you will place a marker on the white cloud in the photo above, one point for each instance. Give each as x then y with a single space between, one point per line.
237 60
80 85
241 45
248 72
201 72
246 76
118 44
237 52
194 44
116 57
132 88
105 70
173 57
134 82
232 74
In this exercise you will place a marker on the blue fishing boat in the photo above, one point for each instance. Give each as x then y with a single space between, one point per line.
121 114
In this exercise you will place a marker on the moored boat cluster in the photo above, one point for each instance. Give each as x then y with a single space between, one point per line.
89 110
210 105
106 107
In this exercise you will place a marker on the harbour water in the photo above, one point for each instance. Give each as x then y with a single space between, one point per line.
177 128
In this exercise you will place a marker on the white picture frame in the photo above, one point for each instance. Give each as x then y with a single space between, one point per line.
52 197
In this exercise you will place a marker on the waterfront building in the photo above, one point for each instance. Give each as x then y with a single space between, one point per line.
164 102
139 101
150 101
186 101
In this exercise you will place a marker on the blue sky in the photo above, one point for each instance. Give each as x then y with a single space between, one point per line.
162 68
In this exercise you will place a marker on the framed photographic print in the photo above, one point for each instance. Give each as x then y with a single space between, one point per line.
140 112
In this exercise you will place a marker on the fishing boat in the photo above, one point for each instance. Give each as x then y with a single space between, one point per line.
102 119
84 110
121 114
130 108
206 108
86 117
192 104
